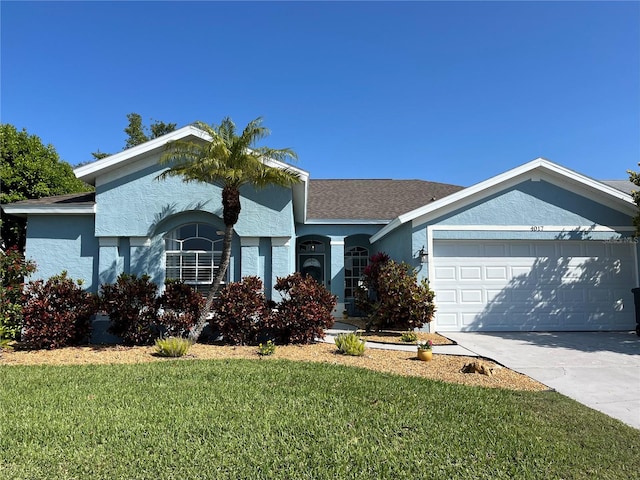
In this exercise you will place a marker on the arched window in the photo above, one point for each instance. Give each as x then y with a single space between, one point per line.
193 254
355 261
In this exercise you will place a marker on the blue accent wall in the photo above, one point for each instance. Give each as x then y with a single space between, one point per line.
535 203
397 244
63 242
135 204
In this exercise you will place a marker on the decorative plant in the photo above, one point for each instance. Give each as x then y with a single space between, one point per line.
179 307
409 336
132 308
240 311
172 346
265 349
57 313
392 297
304 312
350 344
13 269
428 345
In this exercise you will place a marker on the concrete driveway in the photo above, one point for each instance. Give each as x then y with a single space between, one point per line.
599 369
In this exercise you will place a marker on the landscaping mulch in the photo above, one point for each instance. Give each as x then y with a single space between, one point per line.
446 368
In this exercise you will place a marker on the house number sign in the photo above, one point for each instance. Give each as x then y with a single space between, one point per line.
537 228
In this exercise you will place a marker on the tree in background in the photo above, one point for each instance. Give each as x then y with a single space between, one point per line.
634 177
230 161
30 170
137 133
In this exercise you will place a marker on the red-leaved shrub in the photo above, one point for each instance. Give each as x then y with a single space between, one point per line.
57 313
240 311
132 308
304 312
392 297
180 306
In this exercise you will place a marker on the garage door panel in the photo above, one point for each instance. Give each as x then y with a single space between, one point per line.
496 273
589 289
448 320
545 250
447 296
520 271
471 296
495 250
595 250
445 273
520 250
572 296
470 273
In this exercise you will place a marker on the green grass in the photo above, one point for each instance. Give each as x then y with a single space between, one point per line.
276 419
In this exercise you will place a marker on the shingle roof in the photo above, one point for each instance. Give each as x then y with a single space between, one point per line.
378 199
623 185
87 198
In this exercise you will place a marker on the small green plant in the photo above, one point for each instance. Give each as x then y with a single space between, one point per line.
172 346
409 336
428 345
5 343
268 348
350 344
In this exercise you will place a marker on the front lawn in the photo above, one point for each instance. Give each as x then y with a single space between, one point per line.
277 419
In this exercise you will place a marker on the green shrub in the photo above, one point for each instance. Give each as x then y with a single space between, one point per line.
393 298
57 313
350 344
132 308
409 336
268 348
305 311
172 346
13 269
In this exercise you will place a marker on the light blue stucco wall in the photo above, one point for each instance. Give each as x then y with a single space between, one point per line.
535 203
63 242
397 244
134 204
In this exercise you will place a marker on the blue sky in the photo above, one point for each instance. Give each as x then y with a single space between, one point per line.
452 92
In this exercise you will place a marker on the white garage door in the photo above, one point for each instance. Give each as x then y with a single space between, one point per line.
524 286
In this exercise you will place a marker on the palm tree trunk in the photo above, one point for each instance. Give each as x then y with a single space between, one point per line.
197 329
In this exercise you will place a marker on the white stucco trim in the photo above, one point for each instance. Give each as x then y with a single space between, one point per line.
250 241
49 209
539 168
280 241
139 242
532 228
108 241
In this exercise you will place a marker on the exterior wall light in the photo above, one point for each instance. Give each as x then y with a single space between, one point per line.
423 256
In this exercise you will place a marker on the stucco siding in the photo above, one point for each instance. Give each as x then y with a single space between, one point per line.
134 204
397 244
535 203
63 243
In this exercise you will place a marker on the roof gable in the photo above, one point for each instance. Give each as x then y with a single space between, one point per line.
139 157
537 169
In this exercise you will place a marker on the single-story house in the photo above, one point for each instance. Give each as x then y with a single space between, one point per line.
539 247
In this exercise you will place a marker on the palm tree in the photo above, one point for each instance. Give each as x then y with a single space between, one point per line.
230 161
